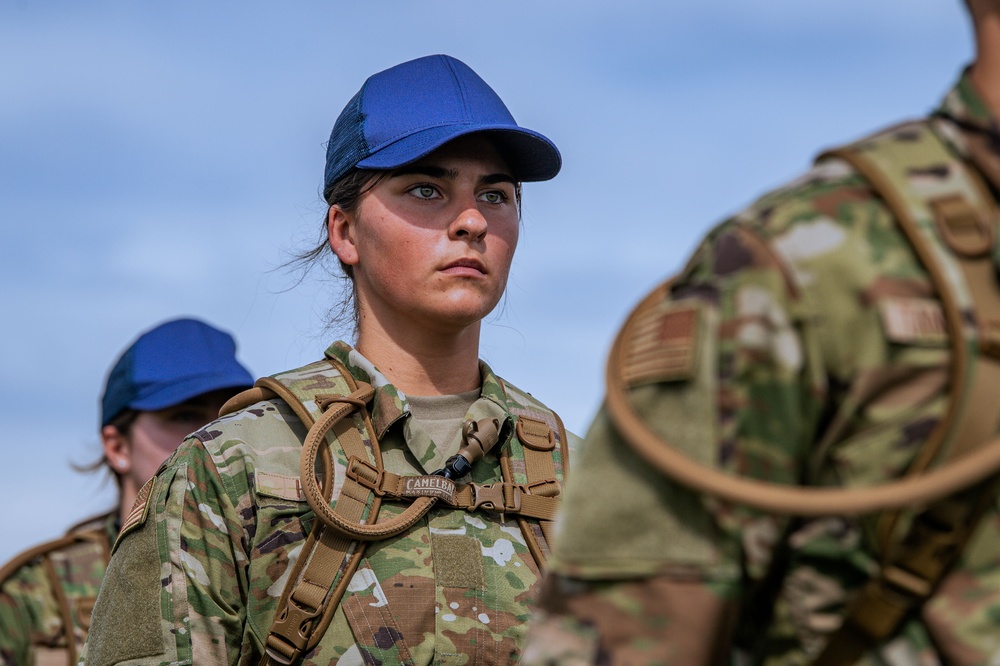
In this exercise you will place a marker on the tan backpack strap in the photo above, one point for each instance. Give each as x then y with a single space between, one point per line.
955 227
328 558
258 393
65 612
541 501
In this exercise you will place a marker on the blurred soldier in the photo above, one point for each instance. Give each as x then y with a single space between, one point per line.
839 335
171 380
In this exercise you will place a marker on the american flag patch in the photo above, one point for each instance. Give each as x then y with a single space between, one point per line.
662 344
140 509
913 320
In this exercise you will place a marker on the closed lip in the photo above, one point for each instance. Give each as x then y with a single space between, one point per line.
474 264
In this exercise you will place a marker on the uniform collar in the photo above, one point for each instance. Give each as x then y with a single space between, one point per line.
390 405
978 137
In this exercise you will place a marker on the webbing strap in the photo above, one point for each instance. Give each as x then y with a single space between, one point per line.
329 557
536 500
953 227
538 443
64 610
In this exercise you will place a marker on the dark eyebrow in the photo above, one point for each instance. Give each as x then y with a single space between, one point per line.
425 170
495 178
432 171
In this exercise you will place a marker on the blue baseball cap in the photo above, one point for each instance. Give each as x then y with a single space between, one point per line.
408 111
169 364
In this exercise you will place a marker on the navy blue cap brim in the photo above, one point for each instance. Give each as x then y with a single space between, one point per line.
186 389
531 156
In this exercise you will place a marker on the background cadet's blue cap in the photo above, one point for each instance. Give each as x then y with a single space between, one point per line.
169 364
408 111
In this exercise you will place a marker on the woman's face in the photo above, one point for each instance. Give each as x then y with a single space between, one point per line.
154 435
431 243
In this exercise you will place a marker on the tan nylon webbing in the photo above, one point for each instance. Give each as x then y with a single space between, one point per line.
310 592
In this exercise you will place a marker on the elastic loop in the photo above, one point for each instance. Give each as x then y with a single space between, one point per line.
314 493
907 492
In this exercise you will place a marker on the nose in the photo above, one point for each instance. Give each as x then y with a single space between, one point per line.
469 224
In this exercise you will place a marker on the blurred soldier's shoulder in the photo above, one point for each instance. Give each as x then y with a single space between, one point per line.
53 582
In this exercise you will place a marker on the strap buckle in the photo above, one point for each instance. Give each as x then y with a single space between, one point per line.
543 488
365 474
291 631
501 497
535 434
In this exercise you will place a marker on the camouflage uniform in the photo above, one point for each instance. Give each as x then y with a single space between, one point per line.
798 376
198 582
34 612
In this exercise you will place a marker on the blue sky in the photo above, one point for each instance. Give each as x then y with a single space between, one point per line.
160 159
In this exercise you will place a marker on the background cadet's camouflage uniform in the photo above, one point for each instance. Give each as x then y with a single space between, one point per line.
32 623
200 582
779 372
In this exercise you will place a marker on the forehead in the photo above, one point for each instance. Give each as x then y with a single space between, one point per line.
476 151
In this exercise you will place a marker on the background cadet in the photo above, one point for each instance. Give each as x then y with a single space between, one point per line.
842 331
171 380
240 551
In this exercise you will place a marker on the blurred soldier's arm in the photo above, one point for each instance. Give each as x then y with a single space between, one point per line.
646 571
175 589
14 637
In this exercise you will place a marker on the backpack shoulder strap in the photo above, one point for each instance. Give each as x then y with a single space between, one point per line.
540 461
947 214
332 405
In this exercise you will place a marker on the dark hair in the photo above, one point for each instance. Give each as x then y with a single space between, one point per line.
346 193
123 422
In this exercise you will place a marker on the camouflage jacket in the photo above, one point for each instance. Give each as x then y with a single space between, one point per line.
799 375
50 587
199 580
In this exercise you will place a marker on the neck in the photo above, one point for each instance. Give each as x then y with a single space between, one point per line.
985 71
126 497
420 361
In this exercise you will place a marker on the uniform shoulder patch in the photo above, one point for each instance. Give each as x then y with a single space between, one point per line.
909 320
139 512
662 343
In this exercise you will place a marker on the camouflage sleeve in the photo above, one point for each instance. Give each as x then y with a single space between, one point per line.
175 588
14 632
667 559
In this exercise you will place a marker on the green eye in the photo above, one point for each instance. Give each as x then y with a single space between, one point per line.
424 191
494 197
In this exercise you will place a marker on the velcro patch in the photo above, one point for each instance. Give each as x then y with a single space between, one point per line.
279 486
662 344
140 510
458 561
910 320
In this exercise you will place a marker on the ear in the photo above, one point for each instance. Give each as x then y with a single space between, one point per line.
117 449
340 229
